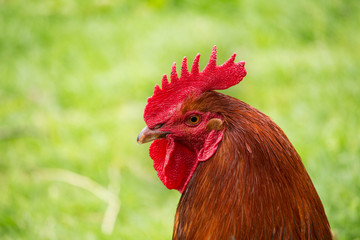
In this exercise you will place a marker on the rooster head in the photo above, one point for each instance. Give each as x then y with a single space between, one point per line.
183 133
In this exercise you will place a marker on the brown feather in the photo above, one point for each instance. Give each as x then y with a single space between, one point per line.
254 187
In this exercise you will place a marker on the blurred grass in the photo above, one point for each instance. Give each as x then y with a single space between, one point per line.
75 76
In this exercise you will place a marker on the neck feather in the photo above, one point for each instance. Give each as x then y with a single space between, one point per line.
255 186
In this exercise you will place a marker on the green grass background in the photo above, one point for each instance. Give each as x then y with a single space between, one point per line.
75 76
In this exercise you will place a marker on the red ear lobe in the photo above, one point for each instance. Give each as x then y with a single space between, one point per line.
210 145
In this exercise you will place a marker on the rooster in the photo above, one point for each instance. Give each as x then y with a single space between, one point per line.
238 173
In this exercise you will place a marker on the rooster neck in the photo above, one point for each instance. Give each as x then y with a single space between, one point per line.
255 186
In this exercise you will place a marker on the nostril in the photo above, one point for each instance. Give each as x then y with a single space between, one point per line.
158 126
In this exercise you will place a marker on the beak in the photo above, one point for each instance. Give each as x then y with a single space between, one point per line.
148 135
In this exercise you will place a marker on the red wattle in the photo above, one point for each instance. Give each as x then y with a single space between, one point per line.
173 162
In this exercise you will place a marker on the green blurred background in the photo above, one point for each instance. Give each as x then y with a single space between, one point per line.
75 76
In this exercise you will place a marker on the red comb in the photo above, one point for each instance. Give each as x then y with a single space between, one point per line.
213 77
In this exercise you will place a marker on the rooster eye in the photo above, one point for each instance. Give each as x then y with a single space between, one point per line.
193 120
